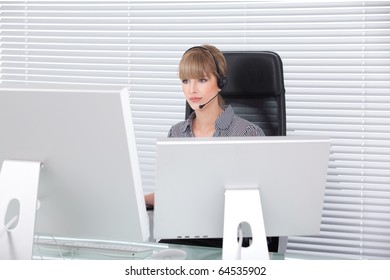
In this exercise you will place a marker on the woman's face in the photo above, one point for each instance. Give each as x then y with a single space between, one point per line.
200 91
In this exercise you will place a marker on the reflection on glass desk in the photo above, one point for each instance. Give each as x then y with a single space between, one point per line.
46 248
50 248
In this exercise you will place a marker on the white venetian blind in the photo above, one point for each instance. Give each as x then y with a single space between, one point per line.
336 57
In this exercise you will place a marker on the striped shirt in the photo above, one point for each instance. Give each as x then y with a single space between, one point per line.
227 124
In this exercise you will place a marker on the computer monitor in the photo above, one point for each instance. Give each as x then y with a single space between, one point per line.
194 173
89 183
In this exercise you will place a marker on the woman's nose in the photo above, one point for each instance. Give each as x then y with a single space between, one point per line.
193 86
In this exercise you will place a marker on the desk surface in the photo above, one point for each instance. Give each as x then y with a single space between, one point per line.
61 248
48 248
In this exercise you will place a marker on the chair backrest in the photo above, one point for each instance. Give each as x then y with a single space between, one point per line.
256 90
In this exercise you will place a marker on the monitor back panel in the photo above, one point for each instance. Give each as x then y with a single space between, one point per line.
193 173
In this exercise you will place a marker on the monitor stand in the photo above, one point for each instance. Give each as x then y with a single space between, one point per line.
18 204
243 207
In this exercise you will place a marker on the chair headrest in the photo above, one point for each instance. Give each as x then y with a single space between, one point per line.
253 74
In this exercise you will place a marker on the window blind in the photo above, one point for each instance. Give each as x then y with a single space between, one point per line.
336 57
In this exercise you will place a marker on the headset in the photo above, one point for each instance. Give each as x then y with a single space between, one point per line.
221 79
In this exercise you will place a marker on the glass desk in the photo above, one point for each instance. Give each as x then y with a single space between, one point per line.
49 248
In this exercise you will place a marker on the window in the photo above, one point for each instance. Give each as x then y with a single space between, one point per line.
336 57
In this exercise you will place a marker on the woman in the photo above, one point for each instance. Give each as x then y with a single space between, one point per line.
202 71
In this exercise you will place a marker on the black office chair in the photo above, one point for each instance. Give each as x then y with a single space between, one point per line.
256 92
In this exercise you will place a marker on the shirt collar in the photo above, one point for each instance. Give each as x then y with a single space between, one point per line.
187 124
226 118
223 121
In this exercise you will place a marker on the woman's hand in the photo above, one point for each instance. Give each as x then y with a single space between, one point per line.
149 199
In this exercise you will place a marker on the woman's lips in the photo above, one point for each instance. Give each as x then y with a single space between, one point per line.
195 99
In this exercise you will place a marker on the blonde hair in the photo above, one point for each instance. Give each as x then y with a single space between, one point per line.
201 60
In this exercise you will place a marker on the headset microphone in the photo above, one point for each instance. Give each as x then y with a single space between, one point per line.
202 105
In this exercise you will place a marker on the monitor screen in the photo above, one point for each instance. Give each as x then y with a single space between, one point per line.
90 183
193 173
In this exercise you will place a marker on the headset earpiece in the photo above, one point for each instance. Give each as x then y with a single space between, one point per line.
222 81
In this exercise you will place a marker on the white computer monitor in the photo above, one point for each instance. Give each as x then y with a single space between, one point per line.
89 183
194 173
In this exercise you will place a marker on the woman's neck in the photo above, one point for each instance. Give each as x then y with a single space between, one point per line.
204 123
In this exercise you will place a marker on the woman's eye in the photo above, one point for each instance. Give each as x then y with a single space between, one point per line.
184 81
203 80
